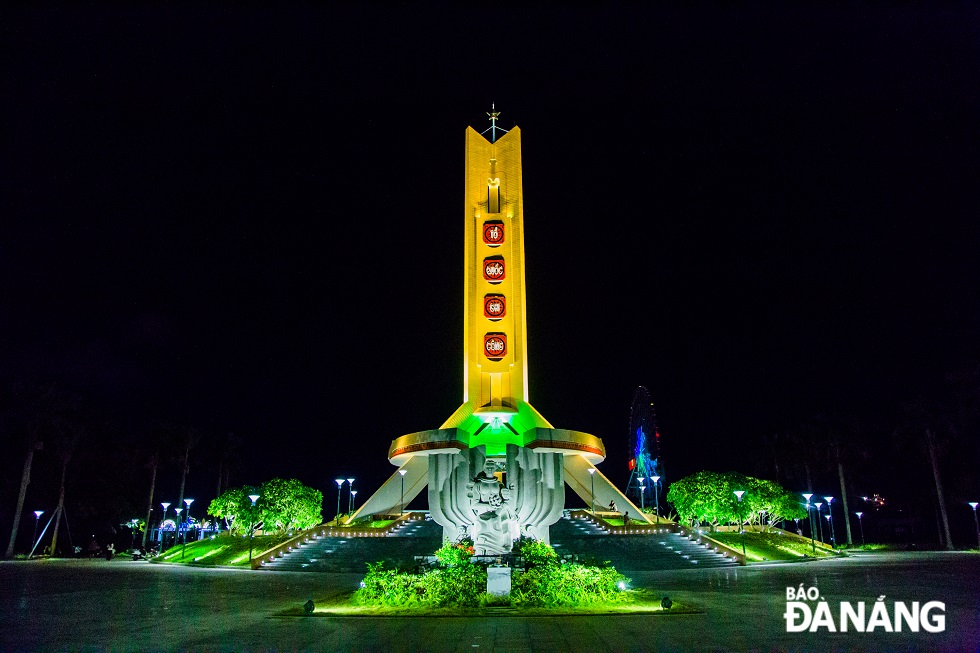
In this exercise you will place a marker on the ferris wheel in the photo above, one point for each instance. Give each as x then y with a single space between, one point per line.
644 454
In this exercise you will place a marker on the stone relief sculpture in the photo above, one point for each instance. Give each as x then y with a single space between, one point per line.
494 525
478 505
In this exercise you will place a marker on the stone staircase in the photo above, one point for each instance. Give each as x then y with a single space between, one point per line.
640 548
351 553
646 549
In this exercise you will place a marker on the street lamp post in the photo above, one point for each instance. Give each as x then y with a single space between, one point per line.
592 472
187 517
739 494
350 497
132 523
656 495
340 484
177 532
809 519
642 490
187 521
861 524
353 502
974 504
251 525
833 536
819 515
37 518
166 505
402 504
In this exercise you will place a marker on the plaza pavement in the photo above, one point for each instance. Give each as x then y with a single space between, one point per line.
94 605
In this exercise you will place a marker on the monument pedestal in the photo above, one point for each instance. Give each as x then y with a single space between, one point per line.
498 581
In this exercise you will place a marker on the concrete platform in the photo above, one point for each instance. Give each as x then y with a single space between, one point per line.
95 605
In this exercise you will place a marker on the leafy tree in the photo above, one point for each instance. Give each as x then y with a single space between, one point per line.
288 505
706 496
770 497
710 497
235 508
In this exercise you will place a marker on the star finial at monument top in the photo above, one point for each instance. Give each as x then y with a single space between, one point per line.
494 115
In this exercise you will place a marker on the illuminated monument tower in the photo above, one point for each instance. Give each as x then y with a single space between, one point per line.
496 469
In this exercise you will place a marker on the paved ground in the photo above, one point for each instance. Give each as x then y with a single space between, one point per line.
125 606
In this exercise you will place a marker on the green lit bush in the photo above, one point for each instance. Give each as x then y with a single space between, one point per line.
458 583
549 582
545 582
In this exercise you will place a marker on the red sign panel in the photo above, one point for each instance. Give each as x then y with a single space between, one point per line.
493 269
493 233
495 345
494 306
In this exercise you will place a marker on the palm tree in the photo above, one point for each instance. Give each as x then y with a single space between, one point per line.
38 407
190 438
843 446
65 445
833 443
228 458
153 463
926 417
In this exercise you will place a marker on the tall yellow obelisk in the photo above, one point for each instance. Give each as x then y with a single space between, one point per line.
495 425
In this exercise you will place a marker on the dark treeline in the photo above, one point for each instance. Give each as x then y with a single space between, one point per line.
920 456
61 450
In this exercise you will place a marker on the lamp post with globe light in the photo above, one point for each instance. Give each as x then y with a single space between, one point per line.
861 524
340 484
402 504
809 520
350 497
37 518
974 504
833 536
592 472
187 517
251 525
177 532
739 494
187 527
819 523
656 494
166 505
353 502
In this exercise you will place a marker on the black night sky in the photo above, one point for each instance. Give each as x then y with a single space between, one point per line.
232 219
